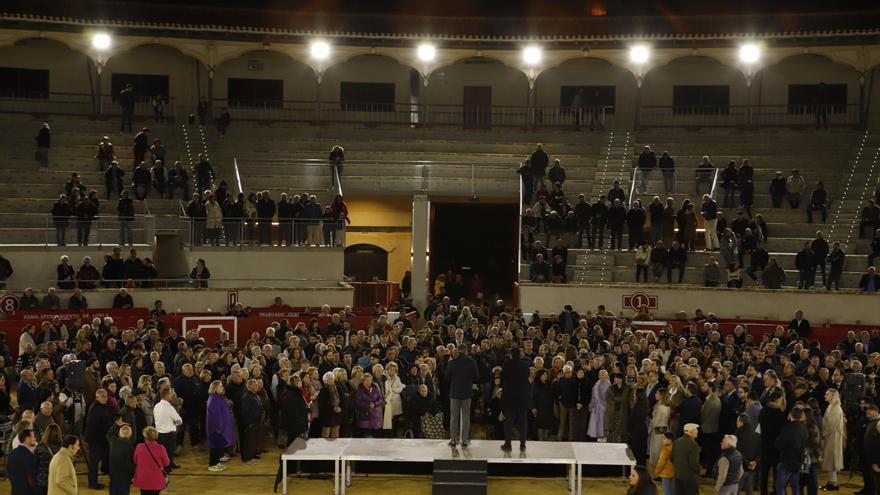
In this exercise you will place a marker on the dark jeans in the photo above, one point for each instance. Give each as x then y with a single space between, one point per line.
784 478
184 187
118 488
265 231
61 233
806 278
616 236
583 231
126 120
520 418
641 269
668 180
820 267
598 236
190 422
169 441
670 268
687 487
214 456
810 481
811 208
776 199
833 279
97 454
83 227
232 230
635 236
767 466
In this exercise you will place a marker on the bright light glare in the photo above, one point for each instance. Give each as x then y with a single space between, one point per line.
320 50
639 54
101 41
427 52
749 53
532 55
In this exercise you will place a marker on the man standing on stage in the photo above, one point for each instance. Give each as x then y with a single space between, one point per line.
461 374
515 398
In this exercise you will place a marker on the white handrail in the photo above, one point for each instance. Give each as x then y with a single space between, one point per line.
237 175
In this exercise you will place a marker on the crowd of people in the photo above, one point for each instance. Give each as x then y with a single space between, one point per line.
662 235
683 400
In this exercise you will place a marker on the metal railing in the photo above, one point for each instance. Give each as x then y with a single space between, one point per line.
183 281
748 116
60 103
237 232
104 230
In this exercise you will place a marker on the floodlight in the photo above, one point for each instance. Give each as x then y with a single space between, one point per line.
101 41
639 54
320 50
532 55
749 53
427 52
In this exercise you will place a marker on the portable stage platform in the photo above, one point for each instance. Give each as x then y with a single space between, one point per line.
343 452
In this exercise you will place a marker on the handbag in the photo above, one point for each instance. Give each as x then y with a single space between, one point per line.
363 414
432 425
164 471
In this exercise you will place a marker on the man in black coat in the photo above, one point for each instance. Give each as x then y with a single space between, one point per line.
121 443
461 374
800 325
251 418
748 442
538 162
870 455
186 386
791 445
691 408
21 465
113 179
98 422
515 398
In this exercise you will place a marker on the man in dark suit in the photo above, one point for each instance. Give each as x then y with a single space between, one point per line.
21 465
691 408
98 423
729 408
462 374
871 451
515 398
800 325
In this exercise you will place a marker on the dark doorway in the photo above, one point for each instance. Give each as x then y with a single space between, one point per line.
806 97
366 263
366 97
255 93
145 86
24 83
701 100
481 239
477 111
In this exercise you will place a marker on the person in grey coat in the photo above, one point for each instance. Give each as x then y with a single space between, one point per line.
461 375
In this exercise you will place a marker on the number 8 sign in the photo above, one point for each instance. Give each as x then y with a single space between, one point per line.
9 303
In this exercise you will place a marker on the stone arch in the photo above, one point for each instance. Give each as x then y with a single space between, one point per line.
299 80
368 68
69 68
509 84
697 70
187 75
805 68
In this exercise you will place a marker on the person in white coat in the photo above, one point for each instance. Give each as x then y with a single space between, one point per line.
833 430
393 403
213 220
659 425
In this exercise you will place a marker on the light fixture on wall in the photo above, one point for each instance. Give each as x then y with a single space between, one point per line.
426 52
101 41
749 53
320 50
532 55
639 54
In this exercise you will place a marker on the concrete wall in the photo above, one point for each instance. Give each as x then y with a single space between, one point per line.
184 72
819 306
691 71
376 216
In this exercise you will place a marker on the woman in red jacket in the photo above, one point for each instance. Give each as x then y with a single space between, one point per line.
150 460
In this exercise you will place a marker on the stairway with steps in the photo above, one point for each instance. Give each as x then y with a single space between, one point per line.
857 187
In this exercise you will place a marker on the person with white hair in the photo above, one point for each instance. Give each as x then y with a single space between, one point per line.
729 467
330 405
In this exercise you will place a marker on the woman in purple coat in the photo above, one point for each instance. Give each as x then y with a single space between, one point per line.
219 425
368 414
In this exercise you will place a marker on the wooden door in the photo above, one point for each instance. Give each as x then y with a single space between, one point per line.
477 107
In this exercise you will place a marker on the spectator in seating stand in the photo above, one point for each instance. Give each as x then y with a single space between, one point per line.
66 274
616 192
223 121
705 173
160 177
61 213
794 188
285 220
758 261
712 273
74 183
105 154
311 215
213 219
158 151
710 216
818 201
734 275
777 189
123 300
141 146
676 259
28 301
646 163
773 276
233 219
86 213
836 259
197 214
266 209
558 270
875 248
667 167
806 267
525 174
113 179
659 255
635 222
747 196
178 179
730 182
204 174
870 218
44 142
669 214
51 300
729 246
140 181
617 216
77 301
125 213
126 103
538 163
597 223
657 213
687 225
540 270
557 197
820 250
113 272
643 258
87 277
870 281
200 274
557 173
